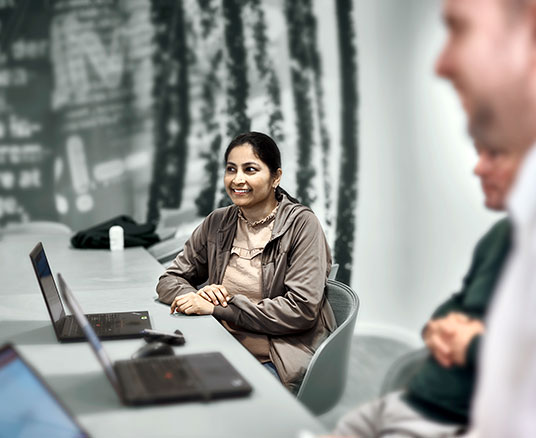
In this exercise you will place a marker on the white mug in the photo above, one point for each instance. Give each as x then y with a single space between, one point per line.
117 242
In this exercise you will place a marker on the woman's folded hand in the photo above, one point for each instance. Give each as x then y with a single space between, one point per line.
214 293
192 304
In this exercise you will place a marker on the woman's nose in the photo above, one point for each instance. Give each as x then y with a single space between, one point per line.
239 178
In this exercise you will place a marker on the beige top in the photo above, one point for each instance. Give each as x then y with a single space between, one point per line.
244 276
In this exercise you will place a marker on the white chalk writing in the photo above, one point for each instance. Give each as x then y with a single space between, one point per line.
21 153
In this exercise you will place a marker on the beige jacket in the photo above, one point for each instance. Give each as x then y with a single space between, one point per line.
295 265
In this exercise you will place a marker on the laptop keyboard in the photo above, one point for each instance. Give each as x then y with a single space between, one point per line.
102 324
160 374
106 322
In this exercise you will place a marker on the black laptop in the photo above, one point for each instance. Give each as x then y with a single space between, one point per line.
162 379
28 408
121 325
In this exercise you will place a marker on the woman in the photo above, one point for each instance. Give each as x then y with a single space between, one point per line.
265 260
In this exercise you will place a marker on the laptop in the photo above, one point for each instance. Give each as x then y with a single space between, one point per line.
121 325
28 407
162 379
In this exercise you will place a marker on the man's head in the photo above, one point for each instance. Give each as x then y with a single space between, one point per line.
490 58
497 170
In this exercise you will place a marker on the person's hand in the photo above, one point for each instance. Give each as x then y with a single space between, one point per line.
191 303
448 337
437 338
214 293
464 335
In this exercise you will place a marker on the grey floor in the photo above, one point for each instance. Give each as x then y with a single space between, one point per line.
370 357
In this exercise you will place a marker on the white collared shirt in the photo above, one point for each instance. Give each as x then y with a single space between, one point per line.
505 400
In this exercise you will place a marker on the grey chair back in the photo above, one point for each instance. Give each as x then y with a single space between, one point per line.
402 370
37 227
174 229
166 251
325 379
333 272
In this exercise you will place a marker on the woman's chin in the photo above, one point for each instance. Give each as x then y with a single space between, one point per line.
239 201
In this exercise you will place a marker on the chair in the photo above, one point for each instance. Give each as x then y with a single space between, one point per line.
37 227
401 371
175 228
166 251
325 379
333 272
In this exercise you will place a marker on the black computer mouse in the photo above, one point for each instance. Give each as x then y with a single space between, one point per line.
153 349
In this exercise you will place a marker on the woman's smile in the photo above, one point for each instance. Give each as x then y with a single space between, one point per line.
241 191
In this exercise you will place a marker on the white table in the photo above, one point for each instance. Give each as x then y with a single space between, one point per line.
105 281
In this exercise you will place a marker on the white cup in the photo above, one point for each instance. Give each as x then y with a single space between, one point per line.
117 240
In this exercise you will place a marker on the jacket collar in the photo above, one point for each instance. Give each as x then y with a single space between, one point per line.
285 217
288 211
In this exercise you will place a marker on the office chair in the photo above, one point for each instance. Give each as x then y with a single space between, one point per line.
175 228
166 251
401 371
37 227
325 378
333 272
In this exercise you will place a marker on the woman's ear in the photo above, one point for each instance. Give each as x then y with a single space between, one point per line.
277 178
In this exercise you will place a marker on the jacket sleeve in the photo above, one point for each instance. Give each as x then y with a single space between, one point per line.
497 234
471 355
456 301
189 269
298 306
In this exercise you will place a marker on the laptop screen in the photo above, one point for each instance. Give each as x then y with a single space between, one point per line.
27 407
91 336
47 284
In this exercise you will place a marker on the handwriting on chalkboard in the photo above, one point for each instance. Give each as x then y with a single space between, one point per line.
26 153
75 108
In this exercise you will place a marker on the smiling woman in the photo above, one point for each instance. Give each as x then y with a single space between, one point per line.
250 183
265 260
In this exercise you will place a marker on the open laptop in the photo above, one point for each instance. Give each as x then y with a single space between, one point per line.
27 405
162 379
121 325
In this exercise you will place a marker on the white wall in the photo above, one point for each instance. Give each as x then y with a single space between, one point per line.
420 209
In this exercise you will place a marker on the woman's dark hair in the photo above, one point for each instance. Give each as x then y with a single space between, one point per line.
266 149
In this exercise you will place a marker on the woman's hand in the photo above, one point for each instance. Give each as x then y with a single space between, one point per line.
214 293
191 303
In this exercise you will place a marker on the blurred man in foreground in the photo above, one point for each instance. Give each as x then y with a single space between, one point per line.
490 58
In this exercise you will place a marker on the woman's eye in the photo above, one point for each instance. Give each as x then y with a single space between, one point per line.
251 169
229 169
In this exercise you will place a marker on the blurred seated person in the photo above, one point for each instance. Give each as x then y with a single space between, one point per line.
437 401
265 260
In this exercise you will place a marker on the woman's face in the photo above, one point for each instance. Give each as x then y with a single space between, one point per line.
248 180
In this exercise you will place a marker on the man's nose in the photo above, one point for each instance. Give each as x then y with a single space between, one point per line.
443 64
481 165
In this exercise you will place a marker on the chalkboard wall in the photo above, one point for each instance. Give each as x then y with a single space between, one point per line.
76 126
125 106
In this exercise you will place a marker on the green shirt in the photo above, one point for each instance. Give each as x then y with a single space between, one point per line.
444 394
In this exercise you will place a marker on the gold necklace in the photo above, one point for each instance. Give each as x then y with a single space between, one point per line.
260 221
